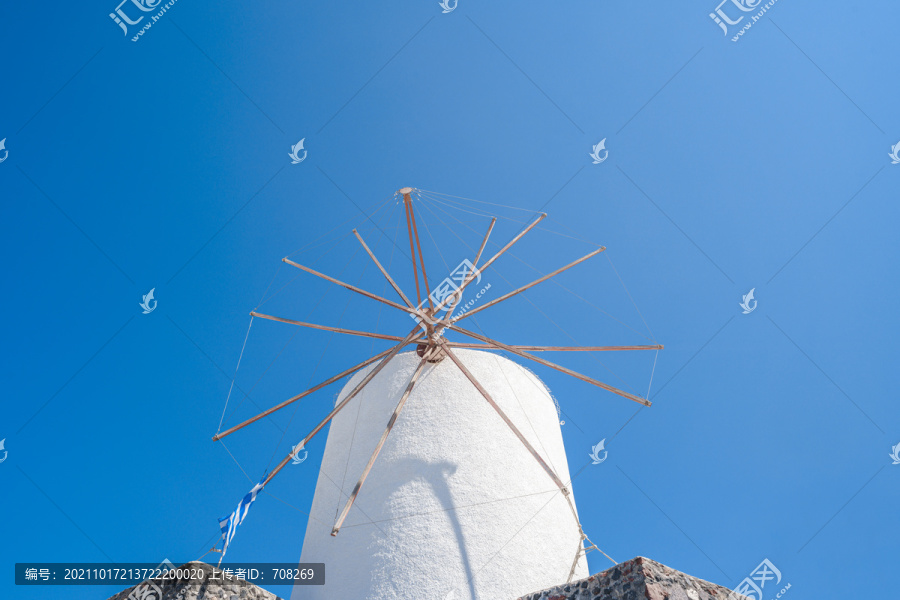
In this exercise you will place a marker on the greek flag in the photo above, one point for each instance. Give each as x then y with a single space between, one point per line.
230 524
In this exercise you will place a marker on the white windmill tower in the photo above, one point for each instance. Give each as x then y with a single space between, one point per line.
463 486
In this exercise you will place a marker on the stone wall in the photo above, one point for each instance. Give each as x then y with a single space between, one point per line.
637 579
196 589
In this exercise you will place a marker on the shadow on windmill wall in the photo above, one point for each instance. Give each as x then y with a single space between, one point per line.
435 474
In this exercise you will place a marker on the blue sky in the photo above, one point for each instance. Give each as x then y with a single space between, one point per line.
162 163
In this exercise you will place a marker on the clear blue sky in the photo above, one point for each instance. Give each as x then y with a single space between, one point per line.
163 164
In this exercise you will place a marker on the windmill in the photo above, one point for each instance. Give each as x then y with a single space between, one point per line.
452 363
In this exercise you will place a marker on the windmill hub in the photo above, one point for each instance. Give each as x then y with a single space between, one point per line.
431 353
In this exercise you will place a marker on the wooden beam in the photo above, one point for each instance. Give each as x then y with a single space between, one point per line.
555 348
412 250
391 354
484 241
412 216
383 271
458 293
384 436
509 245
318 387
379 336
503 416
492 259
562 369
525 287
352 288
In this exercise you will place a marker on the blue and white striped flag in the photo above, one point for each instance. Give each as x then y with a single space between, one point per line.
230 524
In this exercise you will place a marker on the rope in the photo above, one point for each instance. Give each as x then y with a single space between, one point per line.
339 225
457 206
247 394
328 344
563 287
557 325
268 287
582 551
633 303
313 263
359 404
266 491
217 533
236 461
554 281
510 253
227 398
385 285
652 371
524 412
453 508
478 201
481 329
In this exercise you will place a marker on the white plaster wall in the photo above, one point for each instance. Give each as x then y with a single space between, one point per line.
455 506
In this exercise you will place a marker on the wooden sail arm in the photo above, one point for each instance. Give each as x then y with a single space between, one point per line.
378 336
352 288
509 244
474 346
412 249
559 368
316 388
383 271
472 275
359 387
439 325
503 416
484 241
458 293
384 436
415 231
525 287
